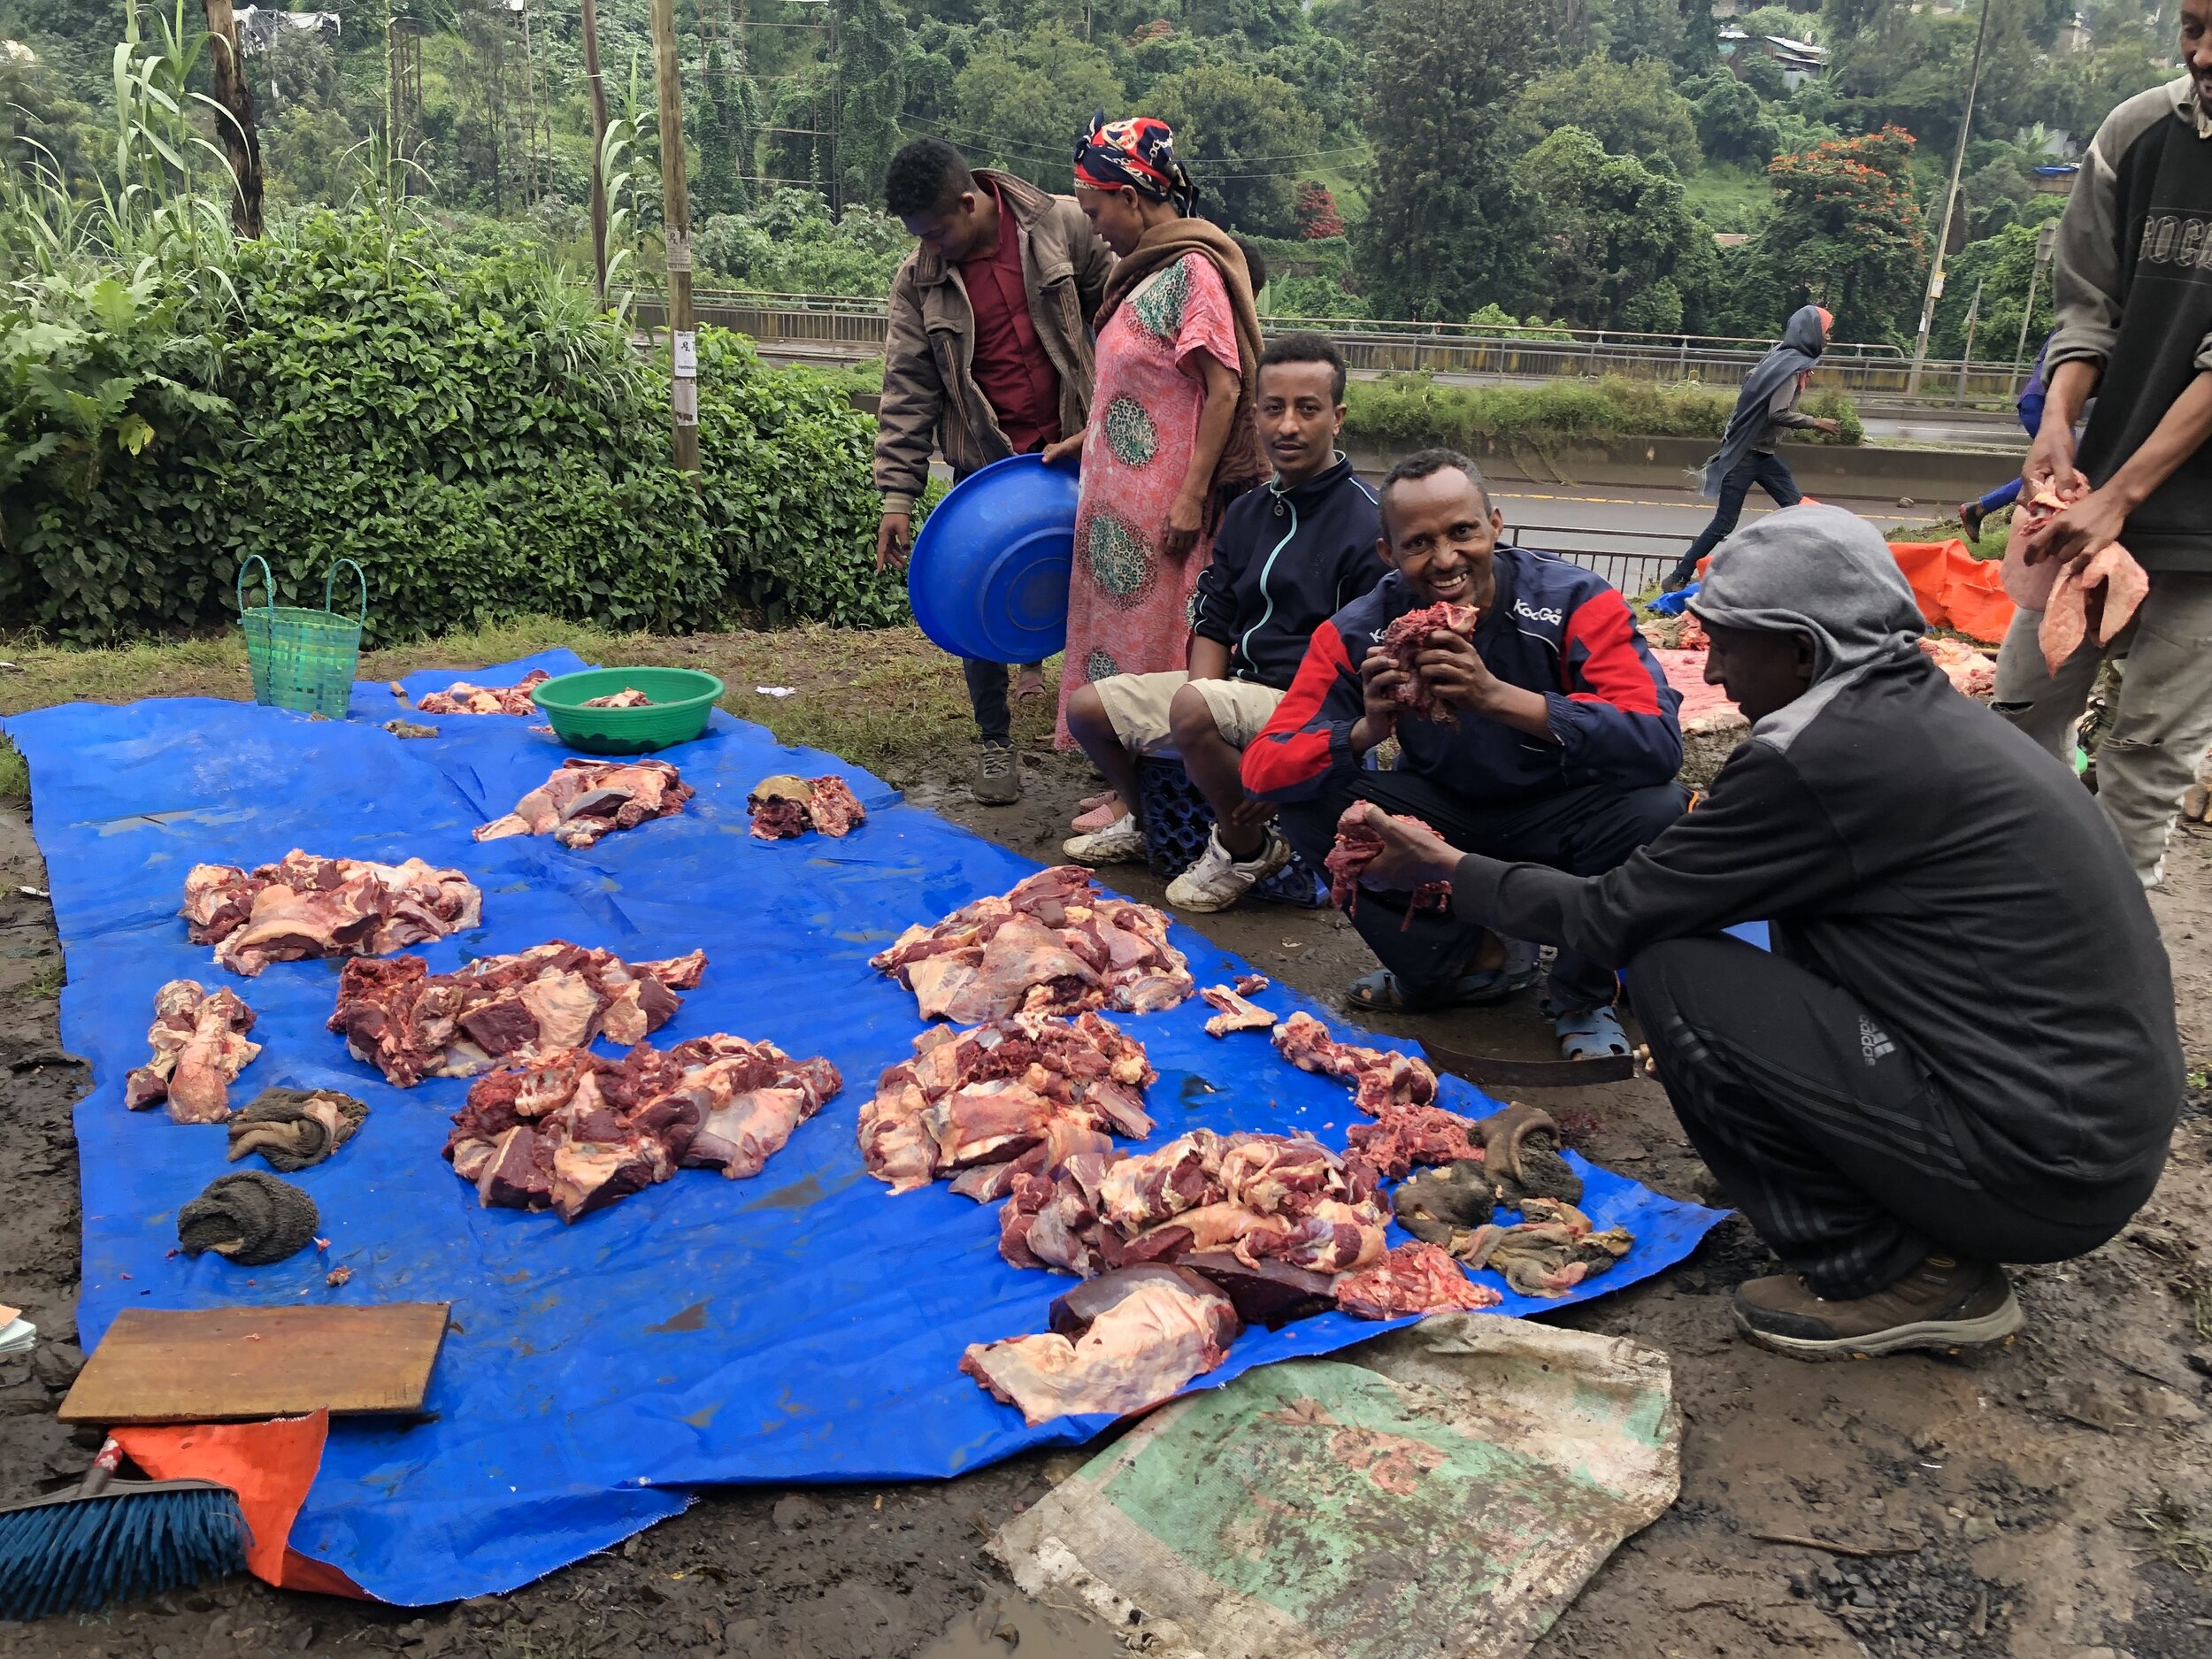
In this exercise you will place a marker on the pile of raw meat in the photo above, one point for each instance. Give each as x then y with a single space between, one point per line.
411 1024
1012 1097
628 697
786 806
1358 844
586 799
1118 1344
200 1047
309 906
572 1131
1407 637
1054 944
460 697
1968 669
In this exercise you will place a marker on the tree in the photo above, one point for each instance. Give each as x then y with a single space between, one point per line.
2000 264
1733 125
1022 104
1847 232
1317 217
1630 109
874 48
1612 234
1241 136
1445 225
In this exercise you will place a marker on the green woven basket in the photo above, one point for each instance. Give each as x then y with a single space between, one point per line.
301 659
682 700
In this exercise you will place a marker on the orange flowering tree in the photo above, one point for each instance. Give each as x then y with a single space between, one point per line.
1848 232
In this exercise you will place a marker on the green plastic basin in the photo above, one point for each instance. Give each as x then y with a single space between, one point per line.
682 700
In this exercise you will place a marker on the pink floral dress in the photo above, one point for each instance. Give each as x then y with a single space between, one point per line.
1128 608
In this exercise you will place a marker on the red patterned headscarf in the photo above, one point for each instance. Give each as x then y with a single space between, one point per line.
1137 153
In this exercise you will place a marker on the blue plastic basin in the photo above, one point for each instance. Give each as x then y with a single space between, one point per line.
989 576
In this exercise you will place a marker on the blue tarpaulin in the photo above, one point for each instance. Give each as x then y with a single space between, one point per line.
801 1327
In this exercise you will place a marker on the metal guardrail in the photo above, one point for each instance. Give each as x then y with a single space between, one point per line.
839 325
1632 572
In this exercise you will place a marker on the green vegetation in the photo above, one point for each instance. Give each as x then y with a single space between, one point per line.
1408 410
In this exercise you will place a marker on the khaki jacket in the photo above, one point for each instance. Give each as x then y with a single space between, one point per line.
930 397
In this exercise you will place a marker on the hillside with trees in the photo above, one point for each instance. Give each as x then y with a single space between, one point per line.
1531 162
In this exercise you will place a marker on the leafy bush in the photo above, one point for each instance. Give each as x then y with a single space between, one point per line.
466 428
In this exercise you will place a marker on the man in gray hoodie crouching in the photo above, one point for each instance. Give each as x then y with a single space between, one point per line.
1960 1049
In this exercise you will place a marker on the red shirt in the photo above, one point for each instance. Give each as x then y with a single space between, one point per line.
1010 366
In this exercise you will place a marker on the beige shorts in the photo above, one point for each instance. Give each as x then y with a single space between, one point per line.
1138 706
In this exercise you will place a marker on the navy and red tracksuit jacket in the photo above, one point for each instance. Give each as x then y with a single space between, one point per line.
1553 627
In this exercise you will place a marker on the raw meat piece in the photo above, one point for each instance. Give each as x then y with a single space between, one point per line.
993 1095
306 906
1409 636
1236 1014
411 1024
628 697
1967 669
200 1047
1063 1138
460 697
1380 1078
1404 1137
1357 846
1142 1346
2094 597
1142 1191
786 806
1252 985
1552 1251
1272 1293
1412 1278
1066 947
586 799
573 1132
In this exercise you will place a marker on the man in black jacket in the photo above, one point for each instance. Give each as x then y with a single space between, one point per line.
1285 559
1961 1050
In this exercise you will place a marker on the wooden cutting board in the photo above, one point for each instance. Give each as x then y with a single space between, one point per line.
234 1364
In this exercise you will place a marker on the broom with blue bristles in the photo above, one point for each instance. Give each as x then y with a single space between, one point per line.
76 1551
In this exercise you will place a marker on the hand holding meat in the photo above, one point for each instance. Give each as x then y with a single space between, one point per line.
1381 680
1400 854
1455 673
2066 522
1414 637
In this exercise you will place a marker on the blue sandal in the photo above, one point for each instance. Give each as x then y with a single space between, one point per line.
1590 1033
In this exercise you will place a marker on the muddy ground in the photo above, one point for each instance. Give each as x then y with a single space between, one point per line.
2056 1495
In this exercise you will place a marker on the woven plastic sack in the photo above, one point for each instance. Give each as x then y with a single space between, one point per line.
1447 1494
1177 821
299 659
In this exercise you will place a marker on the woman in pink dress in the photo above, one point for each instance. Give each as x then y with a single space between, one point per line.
1171 440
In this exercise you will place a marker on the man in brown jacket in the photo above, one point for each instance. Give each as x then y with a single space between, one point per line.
988 355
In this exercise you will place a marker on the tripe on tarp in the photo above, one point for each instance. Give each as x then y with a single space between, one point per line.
804 1327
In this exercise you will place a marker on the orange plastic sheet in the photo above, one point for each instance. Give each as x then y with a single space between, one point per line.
1955 589
270 1466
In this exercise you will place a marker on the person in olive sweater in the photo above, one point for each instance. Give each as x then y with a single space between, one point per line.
1961 1049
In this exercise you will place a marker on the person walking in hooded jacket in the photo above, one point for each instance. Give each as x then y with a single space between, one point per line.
1960 1049
1765 408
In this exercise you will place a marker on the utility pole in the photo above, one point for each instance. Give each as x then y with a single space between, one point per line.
241 142
1973 314
2045 239
683 334
1950 199
597 85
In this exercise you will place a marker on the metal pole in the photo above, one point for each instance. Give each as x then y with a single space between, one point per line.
597 85
683 337
1950 195
2045 235
1973 311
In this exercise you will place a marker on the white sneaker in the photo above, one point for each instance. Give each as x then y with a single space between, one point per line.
1216 881
1120 842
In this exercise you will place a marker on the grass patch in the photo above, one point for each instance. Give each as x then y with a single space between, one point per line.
1412 409
1732 195
2175 1537
883 698
46 981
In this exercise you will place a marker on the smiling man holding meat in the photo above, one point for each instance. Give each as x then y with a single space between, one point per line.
1548 734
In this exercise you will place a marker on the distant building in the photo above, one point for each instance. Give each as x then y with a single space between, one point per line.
2074 37
1731 238
17 52
1800 60
257 26
2057 179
